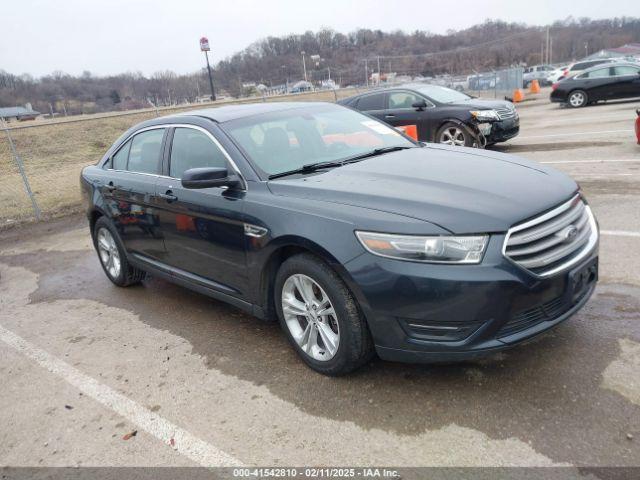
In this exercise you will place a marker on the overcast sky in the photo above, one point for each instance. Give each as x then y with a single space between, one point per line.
113 36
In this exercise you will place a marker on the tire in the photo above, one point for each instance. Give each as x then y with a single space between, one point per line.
112 255
347 324
577 99
450 131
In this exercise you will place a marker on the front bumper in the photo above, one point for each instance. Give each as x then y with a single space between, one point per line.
503 130
434 313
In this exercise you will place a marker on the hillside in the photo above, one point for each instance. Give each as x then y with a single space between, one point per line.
275 60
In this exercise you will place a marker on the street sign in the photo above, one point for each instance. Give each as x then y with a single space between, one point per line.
204 44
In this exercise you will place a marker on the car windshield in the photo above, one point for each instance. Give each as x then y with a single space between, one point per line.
442 94
283 141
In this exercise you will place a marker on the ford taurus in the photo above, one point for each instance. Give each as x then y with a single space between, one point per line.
357 239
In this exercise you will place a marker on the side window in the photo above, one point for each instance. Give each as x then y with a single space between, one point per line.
599 73
402 99
371 102
626 70
193 149
119 160
144 155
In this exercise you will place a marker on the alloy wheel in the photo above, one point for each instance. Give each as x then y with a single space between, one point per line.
453 136
577 99
310 317
108 252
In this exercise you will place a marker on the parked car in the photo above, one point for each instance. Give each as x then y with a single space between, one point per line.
578 67
354 237
610 81
440 114
557 74
536 72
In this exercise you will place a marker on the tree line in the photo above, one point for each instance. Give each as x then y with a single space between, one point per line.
348 59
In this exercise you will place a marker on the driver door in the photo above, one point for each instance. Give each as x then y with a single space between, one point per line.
202 228
401 113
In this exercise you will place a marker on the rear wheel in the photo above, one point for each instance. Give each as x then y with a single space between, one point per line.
577 99
320 317
112 255
454 134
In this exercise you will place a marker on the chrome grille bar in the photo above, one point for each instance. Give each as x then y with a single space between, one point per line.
553 241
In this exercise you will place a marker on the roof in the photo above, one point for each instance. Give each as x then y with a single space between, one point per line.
16 112
233 112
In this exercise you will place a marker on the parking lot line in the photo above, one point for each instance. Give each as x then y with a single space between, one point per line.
575 134
605 174
168 433
609 160
620 233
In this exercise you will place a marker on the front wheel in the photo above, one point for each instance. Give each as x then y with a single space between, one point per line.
577 99
320 317
454 134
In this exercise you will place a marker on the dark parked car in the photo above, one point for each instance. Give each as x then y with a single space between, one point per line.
356 238
441 115
604 82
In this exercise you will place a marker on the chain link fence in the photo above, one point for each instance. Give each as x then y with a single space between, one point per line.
500 83
40 161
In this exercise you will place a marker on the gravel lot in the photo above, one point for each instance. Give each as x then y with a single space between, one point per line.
84 363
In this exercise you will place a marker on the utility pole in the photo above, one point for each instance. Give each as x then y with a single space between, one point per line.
286 79
550 50
378 69
366 73
204 47
304 66
547 59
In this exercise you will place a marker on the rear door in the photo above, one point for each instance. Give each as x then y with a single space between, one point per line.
203 229
373 104
130 188
401 113
627 81
599 83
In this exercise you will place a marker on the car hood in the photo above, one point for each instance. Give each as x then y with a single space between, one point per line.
462 190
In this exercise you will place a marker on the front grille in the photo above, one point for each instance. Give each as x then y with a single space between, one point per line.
506 113
553 241
533 316
548 311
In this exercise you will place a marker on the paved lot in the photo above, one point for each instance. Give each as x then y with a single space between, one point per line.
84 363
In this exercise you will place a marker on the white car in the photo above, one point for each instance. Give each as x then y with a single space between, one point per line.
557 74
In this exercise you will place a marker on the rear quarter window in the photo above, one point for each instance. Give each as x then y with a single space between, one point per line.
119 160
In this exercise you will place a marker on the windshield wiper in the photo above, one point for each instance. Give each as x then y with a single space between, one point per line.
314 167
310 167
374 153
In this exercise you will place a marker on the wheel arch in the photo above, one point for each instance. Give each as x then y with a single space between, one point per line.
284 248
94 215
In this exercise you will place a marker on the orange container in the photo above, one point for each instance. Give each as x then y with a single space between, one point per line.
534 87
409 130
518 96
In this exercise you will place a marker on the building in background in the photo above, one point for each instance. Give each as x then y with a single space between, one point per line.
9 114
628 50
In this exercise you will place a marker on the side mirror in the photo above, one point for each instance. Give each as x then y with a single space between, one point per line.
419 105
208 177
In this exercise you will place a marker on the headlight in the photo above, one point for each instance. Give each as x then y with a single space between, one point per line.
434 249
483 115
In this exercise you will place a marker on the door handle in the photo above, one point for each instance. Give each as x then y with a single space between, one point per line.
111 187
168 196
389 116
